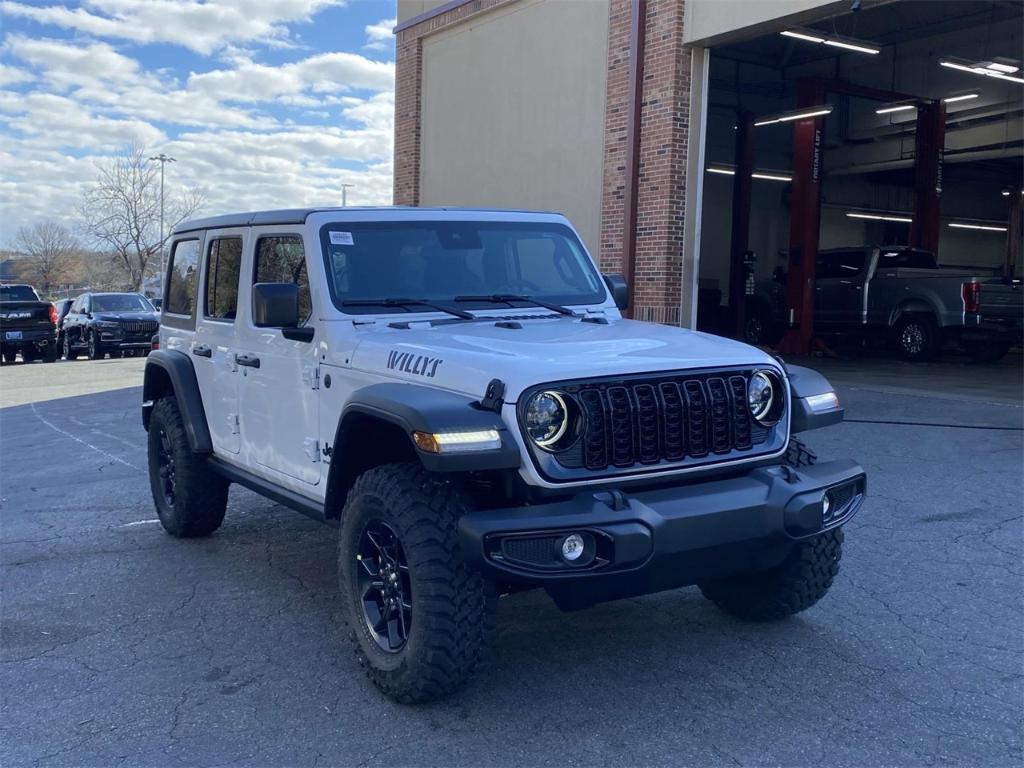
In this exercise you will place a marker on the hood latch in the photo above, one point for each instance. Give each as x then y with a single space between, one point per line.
494 397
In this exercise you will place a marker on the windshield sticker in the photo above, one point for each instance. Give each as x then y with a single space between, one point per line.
420 365
341 238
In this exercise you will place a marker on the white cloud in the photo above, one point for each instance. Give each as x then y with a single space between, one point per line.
13 76
380 36
200 26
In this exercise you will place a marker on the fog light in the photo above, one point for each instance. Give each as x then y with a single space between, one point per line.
826 506
572 547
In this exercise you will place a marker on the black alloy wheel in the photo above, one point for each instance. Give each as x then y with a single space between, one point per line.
165 462
385 591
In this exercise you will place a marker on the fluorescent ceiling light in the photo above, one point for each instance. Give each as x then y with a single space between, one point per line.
880 217
1002 64
798 114
965 66
954 97
902 106
985 227
764 175
836 41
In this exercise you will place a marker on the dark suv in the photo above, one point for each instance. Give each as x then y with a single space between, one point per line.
114 323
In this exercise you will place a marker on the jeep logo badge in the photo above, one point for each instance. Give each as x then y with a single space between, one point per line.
421 365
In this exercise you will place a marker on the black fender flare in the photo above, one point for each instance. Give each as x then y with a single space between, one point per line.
409 408
805 383
170 373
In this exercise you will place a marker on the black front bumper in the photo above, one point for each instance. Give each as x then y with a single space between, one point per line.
666 538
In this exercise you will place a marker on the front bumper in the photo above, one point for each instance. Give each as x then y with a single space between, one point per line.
111 340
660 539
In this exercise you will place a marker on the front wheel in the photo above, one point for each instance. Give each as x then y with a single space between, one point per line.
419 617
794 585
69 352
95 350
190 498
917 337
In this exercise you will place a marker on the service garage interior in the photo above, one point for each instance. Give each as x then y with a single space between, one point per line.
919 143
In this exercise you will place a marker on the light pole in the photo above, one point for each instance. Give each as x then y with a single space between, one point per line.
163 160
344 194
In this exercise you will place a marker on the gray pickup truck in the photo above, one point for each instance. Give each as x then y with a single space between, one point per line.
902 296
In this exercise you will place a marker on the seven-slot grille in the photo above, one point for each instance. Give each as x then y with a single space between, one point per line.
134 327
665 419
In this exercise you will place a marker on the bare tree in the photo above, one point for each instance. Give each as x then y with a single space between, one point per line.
122 212
50 251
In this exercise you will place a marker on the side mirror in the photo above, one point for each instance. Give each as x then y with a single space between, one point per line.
620 290
275 305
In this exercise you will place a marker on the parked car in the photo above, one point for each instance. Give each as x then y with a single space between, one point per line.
902 295
458 393
63 306
109 323
27 325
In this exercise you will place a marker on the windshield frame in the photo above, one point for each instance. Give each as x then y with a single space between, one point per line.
95 296
587 263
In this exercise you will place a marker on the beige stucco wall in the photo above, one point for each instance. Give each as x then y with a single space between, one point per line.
713 22
513 111
409 8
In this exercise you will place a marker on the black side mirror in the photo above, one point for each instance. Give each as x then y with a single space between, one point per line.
275 305
620 290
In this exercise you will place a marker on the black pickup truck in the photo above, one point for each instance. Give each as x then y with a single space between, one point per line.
27 325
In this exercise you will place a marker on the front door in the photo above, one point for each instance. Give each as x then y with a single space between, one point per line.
279 376
839 288
213 346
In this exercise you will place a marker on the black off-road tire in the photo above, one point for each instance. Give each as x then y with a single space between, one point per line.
453 606
95 348
794 585
199 496
917 337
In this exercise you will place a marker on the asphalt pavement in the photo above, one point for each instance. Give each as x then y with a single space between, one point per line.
121 645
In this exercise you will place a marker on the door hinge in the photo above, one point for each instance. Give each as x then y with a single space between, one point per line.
312 448
233 423
311 377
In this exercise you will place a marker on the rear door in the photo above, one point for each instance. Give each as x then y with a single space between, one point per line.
839 287
279 376
214 344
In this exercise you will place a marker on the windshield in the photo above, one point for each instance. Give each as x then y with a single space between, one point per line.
17 293
440 260
120 302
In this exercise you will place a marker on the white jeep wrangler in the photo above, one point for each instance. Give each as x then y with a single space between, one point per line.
458 393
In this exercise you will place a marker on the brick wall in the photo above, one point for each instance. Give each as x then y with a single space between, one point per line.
409 92
664 126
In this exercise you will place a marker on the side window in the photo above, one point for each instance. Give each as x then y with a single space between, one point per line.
841 264
182 273
282 259
223 265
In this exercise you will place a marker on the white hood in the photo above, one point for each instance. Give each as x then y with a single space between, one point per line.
464 357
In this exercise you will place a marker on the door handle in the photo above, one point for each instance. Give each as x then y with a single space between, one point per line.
249 361
201 350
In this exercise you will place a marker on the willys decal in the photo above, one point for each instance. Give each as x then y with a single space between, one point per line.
421 365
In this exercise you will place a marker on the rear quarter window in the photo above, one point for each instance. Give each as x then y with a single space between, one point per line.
182 276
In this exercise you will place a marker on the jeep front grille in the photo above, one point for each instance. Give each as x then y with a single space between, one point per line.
687 418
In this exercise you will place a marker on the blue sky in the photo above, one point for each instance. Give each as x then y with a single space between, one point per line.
264 103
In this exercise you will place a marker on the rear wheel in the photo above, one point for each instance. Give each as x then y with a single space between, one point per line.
794 585
29 354
50 353
917 337
190 498
419 617
10 355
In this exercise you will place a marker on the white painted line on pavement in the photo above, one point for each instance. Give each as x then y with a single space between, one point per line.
138 522
77 439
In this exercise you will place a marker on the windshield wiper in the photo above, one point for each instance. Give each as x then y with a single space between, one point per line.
405 304
508 298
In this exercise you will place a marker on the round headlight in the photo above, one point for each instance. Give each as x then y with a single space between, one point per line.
761 395
546 418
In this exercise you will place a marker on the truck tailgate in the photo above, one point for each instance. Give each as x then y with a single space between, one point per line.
1002 301
24 315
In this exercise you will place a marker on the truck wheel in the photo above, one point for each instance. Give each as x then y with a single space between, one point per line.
10 355
794 585
95 350
69 352
190 498
50 353
917 337
29 354
419 618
